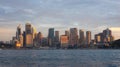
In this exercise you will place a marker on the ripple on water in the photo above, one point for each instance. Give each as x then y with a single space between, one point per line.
60 58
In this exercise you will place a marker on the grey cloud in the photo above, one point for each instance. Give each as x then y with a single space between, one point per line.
61 14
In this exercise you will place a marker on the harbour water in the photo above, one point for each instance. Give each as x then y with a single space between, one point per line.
59 58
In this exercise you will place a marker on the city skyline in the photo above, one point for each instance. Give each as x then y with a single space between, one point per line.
62 15
70 39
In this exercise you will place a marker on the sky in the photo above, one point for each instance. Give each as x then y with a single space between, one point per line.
92 15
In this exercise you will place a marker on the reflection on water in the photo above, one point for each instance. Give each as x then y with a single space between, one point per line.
59 58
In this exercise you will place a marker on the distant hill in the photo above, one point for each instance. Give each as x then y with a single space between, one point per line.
116 44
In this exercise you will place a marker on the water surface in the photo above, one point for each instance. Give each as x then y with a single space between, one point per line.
59 58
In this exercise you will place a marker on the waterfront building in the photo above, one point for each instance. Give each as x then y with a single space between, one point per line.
64 41
81 38
18 32
24 39
39 39
21 40
88 37
29 36
28 28
73 38
98 38
34 32
29 40
19 37
14 41
17 44
107 34
44 42
104 38
51 37
56 36
56 39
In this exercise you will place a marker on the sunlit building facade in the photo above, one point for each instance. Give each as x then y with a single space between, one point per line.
29 35
19 37
64 41
29 40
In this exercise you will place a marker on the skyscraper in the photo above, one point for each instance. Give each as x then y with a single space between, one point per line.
104 38
107 34
28 28
56 39
51 36
29 35
34 32
88 37
82 37
39 39
18 32
24 39
73 39
19 37
56 36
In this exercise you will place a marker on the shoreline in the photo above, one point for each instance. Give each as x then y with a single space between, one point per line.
60 49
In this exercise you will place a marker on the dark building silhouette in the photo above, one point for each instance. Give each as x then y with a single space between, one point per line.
24 39
88 37
51 37
104 38
81 38
73 38
39 39
56 39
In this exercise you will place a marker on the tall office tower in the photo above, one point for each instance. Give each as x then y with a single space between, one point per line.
19 37
34 32
82 37
56 36
64 41
28 28
88 37
51 37
39 39
24 39
56 39
73 39
107 34
18 32
29 35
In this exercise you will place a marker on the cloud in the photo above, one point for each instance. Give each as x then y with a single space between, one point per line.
94 15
